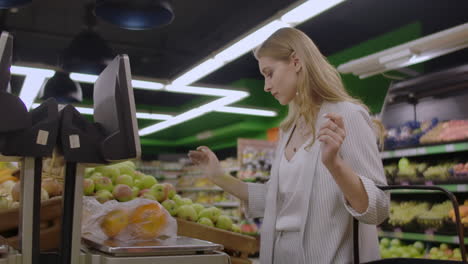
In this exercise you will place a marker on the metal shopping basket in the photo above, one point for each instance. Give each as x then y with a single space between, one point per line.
414 260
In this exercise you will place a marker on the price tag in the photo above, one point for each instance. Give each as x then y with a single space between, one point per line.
461 187
404 183
429 234
456 240
450 148
406 152
429 183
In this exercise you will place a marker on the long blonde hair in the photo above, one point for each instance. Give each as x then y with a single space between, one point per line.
318 81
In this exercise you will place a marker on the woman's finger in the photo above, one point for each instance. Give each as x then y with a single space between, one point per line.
327 140
335 136
337 130
337 119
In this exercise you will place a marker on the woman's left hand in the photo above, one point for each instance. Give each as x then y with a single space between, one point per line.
331 135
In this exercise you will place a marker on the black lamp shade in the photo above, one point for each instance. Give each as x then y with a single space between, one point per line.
87 53
63 89
13 3
135 14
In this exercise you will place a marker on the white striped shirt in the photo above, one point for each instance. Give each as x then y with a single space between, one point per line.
326 220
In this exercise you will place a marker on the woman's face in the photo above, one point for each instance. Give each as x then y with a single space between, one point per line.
280 78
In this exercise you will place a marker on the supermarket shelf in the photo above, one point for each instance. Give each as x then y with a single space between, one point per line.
427 150
200 189
422 237
450 187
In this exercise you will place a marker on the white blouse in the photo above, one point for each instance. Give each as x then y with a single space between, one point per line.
290 198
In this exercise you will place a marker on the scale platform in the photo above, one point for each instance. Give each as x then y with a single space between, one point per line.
174 250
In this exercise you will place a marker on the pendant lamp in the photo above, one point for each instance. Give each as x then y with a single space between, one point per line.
135 14
62 88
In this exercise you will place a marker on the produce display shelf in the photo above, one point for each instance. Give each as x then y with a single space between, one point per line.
200 189
450 187
425 150
422 237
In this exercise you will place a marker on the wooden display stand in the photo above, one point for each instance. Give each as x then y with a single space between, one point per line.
238 246
50 215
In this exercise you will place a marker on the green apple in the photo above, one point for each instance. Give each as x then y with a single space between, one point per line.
135 191
104 183
124 179
198 207
122 193
127 170
103 196
171 207
210 213
205 221
419 246
88 187
187 212
159 193
395 242
178 200
385 242
187 201
224 222
148 195
443 247
95 175
138 175
236 228
169 189
88 172
109 172
403 163
148 181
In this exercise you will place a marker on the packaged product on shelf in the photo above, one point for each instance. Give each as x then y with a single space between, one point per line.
255 158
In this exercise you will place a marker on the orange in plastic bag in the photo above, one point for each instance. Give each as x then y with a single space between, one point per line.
148 221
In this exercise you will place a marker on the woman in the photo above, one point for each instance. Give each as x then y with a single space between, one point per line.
327 163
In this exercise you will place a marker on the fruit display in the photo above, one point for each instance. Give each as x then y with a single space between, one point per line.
436 216
407 134
395 248
460 170
453 130
463 210
406 170
123 183
10 187
403 213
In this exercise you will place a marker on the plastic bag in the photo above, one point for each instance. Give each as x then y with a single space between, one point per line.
136 220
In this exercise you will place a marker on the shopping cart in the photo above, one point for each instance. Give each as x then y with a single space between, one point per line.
414 260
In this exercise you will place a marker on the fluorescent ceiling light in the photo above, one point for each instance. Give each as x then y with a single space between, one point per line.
409 53
32 83
308 10
204 90
198 72
147 85
191 114
84 78
139 115
249 42
246 111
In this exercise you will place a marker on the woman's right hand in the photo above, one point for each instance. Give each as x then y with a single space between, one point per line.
207 161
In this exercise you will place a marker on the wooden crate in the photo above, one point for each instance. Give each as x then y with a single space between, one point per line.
240 245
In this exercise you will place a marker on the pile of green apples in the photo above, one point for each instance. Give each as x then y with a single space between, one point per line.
184 208
444 252
393 248
123 183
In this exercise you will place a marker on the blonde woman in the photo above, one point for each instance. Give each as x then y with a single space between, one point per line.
327 163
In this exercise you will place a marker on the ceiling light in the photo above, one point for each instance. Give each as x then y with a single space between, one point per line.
409 53
198 72
249 42
135 15
205 91
245 111
139 115
147 85
191 114
84 78
308 10
32 83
